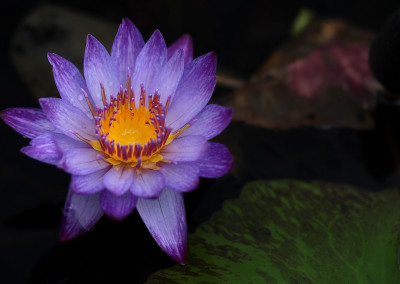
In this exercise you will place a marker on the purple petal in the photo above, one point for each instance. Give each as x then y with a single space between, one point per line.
80 214
67 118
181 176
149 61
193 92
88 184
82 162
117 207
49 147
69 82
98 66
118 179
202 67
186 44
210 122
30 122
165 218
188 148
43 150
168 77
147 184
216 162
127 44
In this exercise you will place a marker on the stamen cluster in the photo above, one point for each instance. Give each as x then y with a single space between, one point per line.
128 133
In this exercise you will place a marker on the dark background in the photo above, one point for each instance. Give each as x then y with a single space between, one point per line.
243 34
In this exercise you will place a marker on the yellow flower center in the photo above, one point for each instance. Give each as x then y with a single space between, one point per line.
130 135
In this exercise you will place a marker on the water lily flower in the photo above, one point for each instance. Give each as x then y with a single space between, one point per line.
133 133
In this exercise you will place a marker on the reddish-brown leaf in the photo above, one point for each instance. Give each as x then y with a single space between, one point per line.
321 78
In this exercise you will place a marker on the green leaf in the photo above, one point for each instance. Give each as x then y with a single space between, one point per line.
295 232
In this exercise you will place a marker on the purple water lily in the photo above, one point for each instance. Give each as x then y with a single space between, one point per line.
133 133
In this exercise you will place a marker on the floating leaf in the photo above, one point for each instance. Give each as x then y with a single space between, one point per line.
321 78
295 232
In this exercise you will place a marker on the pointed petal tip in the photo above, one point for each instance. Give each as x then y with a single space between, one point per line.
43 102
55 60
62 237
210 59
67 235
30 122
185 43
3 113
51 57
213 56
157 35
180 257
90 40
25 150
165 218
126 25
127 22
229 114
177 252
185 39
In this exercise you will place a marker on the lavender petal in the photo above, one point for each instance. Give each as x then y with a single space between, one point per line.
183 149
165 218
167 79
67 118
80 214
117 207
49 147
88 184
127 44
193 92
30 122
98 66
182 177
186 44
147 184
118 179
82 162
210 122
150 60
69 82
216 162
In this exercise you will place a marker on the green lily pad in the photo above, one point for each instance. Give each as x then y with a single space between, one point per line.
295 232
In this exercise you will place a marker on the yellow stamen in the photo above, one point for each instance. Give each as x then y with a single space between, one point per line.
173 135
130 135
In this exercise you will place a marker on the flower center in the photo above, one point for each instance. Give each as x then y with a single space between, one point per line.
131 135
